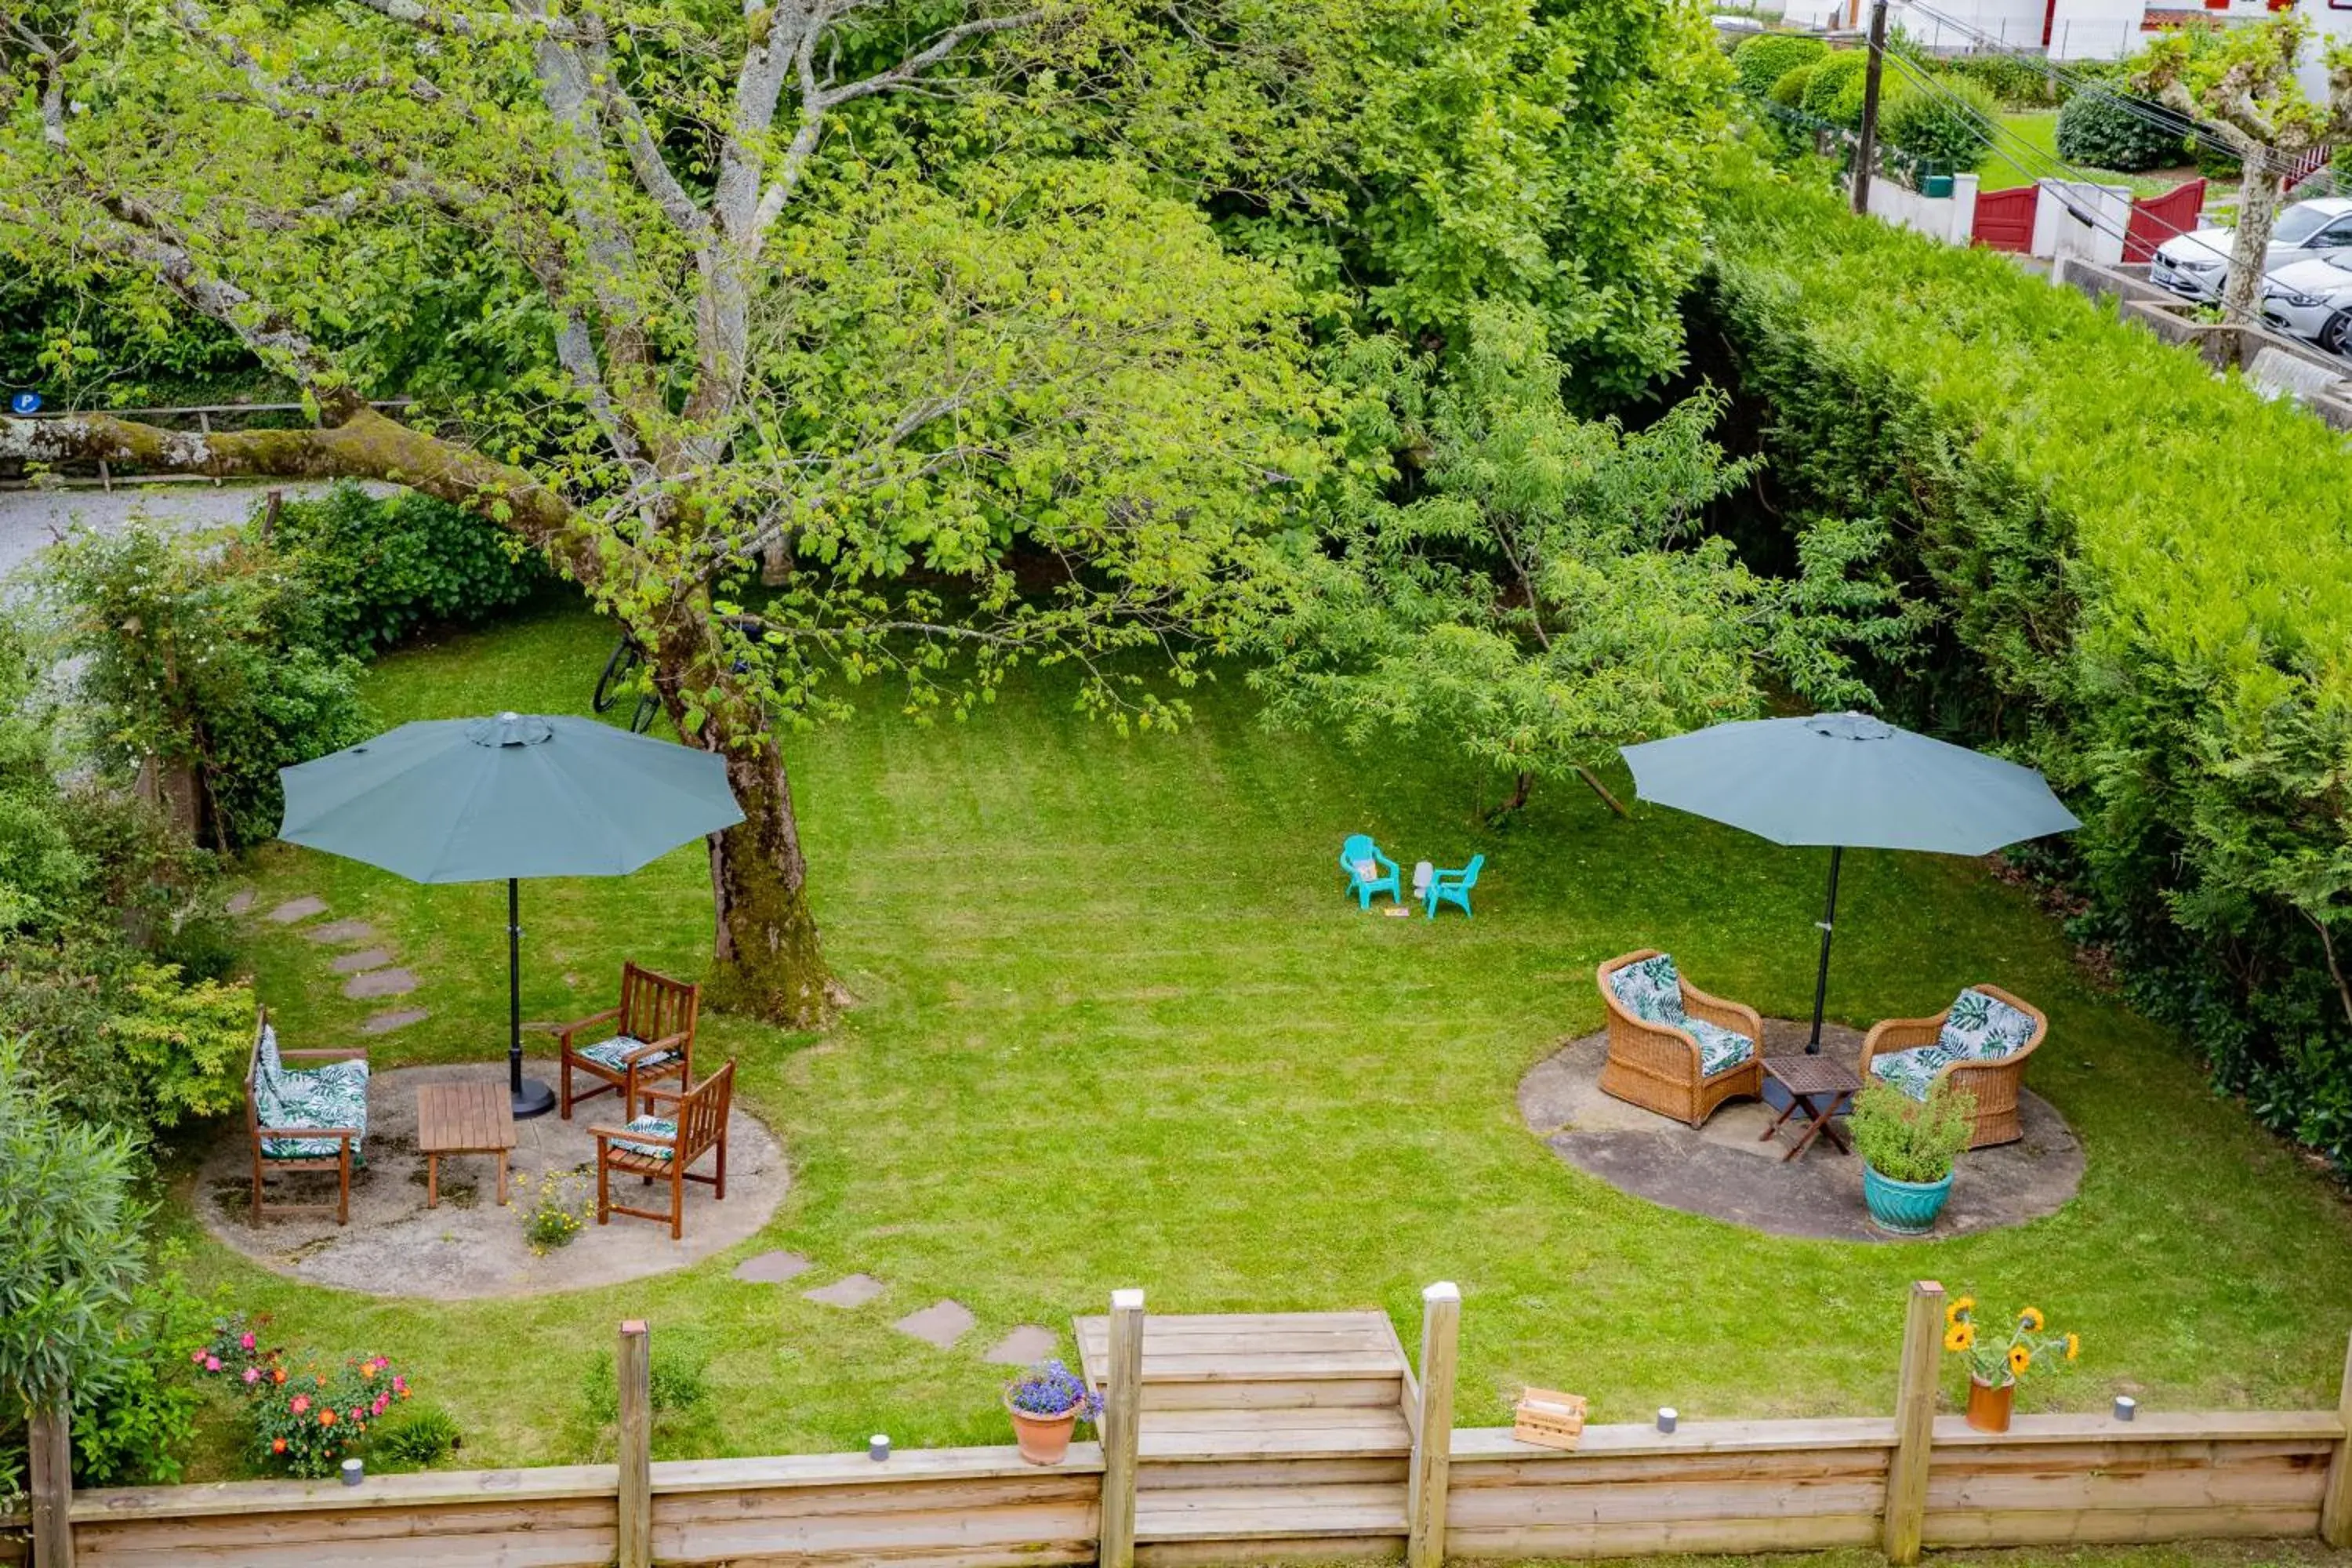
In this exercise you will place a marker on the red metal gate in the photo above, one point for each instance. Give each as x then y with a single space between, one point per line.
2004 219
2155 219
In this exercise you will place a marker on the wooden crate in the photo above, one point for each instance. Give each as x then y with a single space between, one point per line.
1548 1418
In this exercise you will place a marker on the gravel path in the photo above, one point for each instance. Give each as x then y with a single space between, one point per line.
30 520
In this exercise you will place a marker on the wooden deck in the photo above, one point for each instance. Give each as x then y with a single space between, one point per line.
1276 1427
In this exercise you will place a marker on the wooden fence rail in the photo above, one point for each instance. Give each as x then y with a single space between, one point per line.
1903 1483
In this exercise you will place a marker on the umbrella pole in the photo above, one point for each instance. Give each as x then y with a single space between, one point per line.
530 1098
1822 979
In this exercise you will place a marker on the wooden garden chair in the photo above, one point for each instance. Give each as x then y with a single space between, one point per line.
1673 1048
1972 1045
651 1038
664 1148
299 1119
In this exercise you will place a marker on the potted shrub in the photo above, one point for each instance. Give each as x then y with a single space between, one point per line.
1907 1148
1996 1364
1046 1402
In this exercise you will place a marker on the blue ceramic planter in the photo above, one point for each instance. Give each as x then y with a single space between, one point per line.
1907 1209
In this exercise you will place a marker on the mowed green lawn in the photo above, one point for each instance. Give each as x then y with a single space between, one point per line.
2029 152
1117 1025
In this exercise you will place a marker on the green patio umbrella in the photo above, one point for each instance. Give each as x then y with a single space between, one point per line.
1846 780
483 800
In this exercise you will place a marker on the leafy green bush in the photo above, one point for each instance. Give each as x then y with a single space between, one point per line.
2182 684
1946 126
210 659
1789 92
1834 94
1764 59
134 1421
2097 131
120 1039
414 1437
2012 80
1907 1139
381 567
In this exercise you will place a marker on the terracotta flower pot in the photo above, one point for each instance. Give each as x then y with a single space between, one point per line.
1043 1440
1988 1404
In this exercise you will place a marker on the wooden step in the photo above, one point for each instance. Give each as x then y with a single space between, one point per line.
1299 1431
1287 1348
1269 1513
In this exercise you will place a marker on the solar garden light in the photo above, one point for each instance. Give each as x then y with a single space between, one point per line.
877 1446
354 1471
1667 1416
2127 1408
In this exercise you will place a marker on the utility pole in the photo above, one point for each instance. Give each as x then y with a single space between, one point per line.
1866 150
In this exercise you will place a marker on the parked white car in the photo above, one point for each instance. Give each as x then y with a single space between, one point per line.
2196 264
2312 300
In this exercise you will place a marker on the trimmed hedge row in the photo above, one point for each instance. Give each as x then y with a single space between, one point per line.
2145 581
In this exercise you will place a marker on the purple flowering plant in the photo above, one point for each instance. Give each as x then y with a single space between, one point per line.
1051 1388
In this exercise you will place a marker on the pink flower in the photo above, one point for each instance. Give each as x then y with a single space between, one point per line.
195 1358
400 1385
253 1375
245 1341
301 1403
382 1404
212 1364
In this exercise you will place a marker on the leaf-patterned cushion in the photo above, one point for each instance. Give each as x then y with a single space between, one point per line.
1913 1071
270 1064
614 1054
1651 989
334 1095
1718 1048
660 1126
1983 1028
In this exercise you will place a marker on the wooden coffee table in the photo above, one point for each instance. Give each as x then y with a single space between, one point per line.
1821 1087
467 1118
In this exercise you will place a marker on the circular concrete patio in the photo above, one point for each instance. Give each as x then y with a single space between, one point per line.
468 1245
1726 1170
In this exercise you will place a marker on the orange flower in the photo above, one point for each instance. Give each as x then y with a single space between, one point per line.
322 1380
326 1419
2074 1346
277 1444
278 1374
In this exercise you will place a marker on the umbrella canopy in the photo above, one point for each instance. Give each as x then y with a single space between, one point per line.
483 800
480 800
1847 779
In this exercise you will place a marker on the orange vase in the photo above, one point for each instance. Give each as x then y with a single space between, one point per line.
1988 1404
1043 1440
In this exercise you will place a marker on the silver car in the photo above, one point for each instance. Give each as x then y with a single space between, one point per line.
2195 264
2312 300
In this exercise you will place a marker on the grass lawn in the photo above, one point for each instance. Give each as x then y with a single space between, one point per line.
1117 1025
2009 165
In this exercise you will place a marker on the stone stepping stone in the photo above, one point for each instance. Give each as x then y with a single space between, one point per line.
1025 1346
853 1291
941 1325
397 1018
772 1267
342 933
239 901
367 958
300 909
380 982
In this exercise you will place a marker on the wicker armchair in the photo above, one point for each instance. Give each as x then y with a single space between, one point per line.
1657 1067
1995 1084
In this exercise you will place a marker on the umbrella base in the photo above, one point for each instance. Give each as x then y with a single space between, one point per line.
533 1098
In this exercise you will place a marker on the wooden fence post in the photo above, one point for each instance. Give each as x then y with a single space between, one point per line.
2336 1505
1432 1437
49 1427
1122 1429
1915 1422
635 1365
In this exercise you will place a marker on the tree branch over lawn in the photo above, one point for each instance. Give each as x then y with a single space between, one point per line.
1042 350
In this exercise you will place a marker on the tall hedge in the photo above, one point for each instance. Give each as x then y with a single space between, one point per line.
1765 58
2144 575
2110 130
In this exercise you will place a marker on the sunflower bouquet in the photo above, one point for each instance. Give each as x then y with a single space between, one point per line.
1999 1361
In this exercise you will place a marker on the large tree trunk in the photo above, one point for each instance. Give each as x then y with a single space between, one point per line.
768 961
2258 204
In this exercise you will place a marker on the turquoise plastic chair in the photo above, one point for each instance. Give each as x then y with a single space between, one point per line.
1353 855
1453 887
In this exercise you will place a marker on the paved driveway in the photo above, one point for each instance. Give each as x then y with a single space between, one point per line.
30 520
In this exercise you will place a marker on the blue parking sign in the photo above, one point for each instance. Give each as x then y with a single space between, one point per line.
23 403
